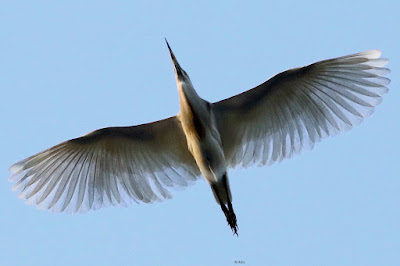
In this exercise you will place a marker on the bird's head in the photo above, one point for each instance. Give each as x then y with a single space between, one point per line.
180 74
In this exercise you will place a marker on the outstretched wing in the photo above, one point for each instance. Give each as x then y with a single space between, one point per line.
297 108
113 165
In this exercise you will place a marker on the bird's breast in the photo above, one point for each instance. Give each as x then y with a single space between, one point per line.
204 143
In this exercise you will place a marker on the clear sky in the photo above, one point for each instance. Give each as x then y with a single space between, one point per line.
70 68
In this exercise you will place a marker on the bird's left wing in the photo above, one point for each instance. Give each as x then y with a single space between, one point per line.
113 165
299 107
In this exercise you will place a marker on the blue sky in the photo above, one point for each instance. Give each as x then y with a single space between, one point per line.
69 68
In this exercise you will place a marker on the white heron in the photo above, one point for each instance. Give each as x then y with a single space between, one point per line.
278 118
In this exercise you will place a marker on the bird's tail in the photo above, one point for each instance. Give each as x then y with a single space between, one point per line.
222 194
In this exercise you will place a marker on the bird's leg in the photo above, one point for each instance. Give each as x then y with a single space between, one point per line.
230 217
229 213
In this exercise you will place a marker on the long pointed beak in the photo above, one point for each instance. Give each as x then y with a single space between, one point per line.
177 67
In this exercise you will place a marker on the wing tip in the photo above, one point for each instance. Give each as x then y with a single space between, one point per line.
369 54
15 168
372 54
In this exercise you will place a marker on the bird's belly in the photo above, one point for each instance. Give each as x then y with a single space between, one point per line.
208 154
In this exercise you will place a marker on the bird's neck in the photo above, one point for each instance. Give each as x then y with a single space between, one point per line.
194 112
189 100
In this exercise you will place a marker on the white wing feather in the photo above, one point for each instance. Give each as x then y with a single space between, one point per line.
108 166
299 107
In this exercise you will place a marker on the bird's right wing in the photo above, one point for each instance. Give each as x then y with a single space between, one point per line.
113 165
299 107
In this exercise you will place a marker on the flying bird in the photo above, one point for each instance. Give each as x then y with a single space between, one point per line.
278 118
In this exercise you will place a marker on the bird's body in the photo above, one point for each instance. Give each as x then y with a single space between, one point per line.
292 111
204 141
